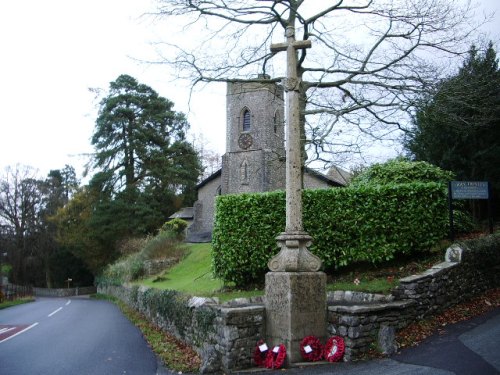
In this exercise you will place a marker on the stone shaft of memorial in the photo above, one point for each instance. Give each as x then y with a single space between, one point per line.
294 255
293 152
295 291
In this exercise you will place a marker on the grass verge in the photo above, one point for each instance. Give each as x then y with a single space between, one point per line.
173 353
16 302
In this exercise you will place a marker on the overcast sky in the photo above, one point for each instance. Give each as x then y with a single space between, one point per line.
52 51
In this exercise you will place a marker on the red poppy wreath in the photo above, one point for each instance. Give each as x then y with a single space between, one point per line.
311 349
260 353
276 357
334 349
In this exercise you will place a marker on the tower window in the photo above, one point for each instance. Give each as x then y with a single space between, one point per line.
246 120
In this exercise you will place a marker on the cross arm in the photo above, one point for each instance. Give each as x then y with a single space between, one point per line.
298 44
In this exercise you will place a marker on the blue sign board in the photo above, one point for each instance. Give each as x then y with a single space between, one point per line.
469 190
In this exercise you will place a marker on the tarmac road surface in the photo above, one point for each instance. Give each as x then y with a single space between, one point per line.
71 336
82 336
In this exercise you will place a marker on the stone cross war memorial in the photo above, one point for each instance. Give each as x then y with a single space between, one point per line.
295 289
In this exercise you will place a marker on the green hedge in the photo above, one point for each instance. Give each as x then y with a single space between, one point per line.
365 223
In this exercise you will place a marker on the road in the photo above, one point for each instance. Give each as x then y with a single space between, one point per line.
71 336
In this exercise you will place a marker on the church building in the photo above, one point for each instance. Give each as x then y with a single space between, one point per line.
255 154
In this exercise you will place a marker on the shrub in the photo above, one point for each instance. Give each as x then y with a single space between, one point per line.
131 245
177 226
131 267
366 223
163 245
401 171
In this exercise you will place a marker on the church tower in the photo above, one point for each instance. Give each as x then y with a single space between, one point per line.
255 153
255 136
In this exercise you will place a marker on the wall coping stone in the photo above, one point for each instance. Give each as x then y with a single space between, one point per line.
240 309
339 296
430 273
414 278
439 268
200 301
371 307
258 300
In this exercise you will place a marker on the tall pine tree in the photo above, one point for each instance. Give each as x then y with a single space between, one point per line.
458 127
146 168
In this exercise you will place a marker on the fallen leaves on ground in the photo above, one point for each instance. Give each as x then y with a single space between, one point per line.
418 331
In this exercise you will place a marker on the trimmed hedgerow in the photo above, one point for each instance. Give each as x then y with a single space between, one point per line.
366 223
402 171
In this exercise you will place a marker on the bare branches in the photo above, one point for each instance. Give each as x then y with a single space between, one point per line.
369 61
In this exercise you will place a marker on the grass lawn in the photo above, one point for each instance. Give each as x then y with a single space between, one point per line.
382 286
192 275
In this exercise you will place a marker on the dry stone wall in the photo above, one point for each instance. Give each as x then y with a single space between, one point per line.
370 321
225 335
64 292
368 324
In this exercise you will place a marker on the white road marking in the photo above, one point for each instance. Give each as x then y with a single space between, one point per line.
18 333
54 312
67 303
3 330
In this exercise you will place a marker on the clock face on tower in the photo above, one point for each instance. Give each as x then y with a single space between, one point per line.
245 141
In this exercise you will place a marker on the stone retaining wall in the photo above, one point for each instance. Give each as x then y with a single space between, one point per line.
368 325
152 267
465 273
370 321
64 292
225 335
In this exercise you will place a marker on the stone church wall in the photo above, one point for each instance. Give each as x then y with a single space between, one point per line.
313 182
204 207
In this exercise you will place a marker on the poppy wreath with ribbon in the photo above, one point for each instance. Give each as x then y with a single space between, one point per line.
334 349
311 349
259 356
276 357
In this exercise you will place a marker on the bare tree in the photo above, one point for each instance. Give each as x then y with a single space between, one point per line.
211 160
368 62
20 200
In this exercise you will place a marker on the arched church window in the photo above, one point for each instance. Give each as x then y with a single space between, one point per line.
246 120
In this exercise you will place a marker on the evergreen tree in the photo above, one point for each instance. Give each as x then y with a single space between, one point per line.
146 168
458 127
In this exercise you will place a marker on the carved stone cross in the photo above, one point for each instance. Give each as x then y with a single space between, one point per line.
294 255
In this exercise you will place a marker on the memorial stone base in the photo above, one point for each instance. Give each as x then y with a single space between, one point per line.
295 308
